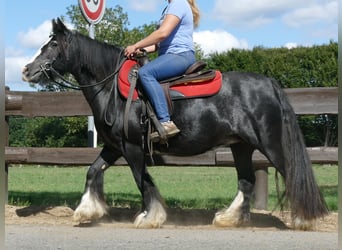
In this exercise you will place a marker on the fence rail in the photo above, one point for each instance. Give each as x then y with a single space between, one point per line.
86 156
59 104
33 104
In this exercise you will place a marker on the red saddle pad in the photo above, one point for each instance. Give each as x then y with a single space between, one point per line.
185 90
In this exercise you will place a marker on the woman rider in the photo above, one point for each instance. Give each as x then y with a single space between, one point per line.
174 42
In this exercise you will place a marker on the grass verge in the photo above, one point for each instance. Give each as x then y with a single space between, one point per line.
181 187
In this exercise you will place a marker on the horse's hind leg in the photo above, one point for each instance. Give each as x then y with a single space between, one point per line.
238 212
93 205
153 213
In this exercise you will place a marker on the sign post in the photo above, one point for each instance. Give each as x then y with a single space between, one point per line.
92 11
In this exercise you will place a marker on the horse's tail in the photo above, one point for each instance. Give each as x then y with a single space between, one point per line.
301 189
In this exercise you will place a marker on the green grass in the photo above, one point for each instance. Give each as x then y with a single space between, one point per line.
183 187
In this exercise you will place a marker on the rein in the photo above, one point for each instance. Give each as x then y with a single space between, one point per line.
47 67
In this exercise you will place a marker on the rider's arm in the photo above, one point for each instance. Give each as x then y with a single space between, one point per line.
151 49
169 24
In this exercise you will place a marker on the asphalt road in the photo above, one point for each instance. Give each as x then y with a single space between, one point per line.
36 237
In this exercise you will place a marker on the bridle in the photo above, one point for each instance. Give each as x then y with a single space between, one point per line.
47 68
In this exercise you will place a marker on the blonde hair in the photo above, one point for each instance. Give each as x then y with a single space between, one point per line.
195 12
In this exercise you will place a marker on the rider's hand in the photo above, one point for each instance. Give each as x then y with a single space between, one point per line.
130 51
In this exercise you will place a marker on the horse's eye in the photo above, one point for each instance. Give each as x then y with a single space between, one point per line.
53 43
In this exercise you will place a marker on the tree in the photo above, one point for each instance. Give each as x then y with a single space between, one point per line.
111 29
48 132
298 67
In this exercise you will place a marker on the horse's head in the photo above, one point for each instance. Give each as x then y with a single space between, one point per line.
53 53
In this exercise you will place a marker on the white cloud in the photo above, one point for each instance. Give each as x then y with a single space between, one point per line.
291 45
218 41
253 13
35 37
13 68
13 52
313 14
16 59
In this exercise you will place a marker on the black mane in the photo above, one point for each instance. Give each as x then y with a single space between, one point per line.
97 57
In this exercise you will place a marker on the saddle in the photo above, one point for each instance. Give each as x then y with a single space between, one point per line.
193 73
195 82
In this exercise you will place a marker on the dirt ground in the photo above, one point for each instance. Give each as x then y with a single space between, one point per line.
122 217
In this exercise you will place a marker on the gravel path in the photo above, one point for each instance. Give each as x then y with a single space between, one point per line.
104 237
51 228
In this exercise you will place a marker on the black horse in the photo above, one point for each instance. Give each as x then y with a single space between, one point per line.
250 112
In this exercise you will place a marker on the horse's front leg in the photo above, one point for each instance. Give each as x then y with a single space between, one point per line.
152 214
93 205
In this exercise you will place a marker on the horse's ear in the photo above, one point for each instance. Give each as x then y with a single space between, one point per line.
54 25
58 26
61 24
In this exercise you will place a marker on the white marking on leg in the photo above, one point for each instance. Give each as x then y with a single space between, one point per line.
237 203
231 216
90 208
153 218
299 223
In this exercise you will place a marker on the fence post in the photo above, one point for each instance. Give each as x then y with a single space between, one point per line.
6 164
261 188
92 133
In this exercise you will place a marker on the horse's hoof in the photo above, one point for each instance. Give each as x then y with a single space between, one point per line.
223 219
302 224
141 221
154 218
86 215
90 209
228 219
81 218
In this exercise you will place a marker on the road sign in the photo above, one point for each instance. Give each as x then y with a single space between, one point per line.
92 10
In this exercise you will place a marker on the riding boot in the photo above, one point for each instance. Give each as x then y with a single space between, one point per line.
170 129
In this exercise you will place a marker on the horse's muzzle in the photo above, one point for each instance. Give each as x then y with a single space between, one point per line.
24 73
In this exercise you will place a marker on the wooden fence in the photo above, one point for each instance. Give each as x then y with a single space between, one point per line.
58 104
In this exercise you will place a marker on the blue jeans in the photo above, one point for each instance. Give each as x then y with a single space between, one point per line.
163 67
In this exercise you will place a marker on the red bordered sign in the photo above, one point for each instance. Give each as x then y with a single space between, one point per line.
92 10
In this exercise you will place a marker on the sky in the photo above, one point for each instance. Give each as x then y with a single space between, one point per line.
224 25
